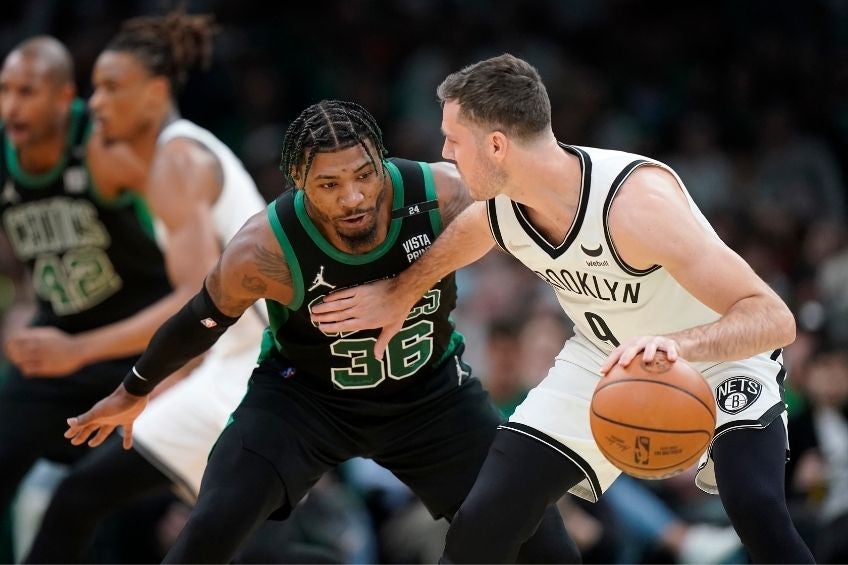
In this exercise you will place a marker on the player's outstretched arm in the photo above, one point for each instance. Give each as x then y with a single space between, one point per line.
249 269
385 304
651 223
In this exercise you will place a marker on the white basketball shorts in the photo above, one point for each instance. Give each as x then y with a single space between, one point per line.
748 394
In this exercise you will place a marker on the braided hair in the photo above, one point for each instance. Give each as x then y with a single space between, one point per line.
169 45
330 125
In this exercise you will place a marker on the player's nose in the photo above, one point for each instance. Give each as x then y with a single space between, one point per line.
351 196
447 152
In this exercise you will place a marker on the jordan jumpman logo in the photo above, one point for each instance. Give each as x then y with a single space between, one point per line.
319 281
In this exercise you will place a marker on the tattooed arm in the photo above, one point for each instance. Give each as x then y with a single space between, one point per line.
251 267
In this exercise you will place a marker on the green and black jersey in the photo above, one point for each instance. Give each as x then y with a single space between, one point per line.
346 363
93 262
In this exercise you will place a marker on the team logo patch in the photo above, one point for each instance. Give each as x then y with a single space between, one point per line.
208 322
736 394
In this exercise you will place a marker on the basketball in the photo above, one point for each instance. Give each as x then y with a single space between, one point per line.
653 420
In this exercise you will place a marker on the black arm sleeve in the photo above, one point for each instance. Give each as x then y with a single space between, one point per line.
184 336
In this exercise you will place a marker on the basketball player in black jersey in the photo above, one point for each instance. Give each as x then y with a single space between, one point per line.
704 303
99 278
317 399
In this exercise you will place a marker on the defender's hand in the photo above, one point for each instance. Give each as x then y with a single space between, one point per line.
647 345
379 304
118 409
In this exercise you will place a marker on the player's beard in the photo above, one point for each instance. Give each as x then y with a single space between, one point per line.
490 180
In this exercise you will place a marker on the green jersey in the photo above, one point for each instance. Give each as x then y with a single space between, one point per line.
345 364
93 262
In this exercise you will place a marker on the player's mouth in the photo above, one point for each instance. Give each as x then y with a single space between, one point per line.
17 131
354 221
100 123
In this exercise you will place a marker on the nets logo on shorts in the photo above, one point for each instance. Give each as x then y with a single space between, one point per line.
735 394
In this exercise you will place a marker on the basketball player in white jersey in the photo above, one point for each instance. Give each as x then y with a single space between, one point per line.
638 270
200 195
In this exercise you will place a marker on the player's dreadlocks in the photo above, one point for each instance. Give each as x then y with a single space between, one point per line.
169 45
329 125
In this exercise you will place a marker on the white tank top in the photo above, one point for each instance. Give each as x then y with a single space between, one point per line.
239 200
607 300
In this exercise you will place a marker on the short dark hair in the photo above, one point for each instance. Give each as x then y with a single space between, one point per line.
329 125
504 93
169 45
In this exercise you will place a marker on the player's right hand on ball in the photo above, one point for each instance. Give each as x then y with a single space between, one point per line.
118 409
644 346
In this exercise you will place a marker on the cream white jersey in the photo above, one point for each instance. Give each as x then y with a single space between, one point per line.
608 300
239 200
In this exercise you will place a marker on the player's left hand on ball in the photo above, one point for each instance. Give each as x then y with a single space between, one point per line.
646 345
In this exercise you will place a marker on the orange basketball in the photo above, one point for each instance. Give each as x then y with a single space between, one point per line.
653 420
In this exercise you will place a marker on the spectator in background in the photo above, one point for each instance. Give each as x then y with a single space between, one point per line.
707 169
796 175
820 450
501 377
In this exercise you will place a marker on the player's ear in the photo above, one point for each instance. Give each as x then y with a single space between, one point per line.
66 93
297 177
497 145
160 86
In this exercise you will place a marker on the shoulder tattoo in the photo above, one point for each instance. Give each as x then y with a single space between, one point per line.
254 284
272 264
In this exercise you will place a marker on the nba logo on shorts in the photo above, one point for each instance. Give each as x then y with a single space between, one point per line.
735 394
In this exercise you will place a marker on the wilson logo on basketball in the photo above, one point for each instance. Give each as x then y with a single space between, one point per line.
735 394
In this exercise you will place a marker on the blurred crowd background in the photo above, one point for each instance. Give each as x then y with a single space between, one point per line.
747 100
